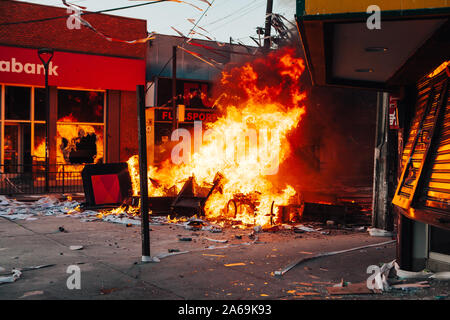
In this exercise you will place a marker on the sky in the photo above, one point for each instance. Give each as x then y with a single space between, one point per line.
224 19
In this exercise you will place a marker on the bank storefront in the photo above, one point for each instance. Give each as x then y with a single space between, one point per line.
85 94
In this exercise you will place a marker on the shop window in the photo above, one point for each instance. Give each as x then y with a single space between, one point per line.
39 142
79 144
17 151
80 106
80 127
192 94
17 103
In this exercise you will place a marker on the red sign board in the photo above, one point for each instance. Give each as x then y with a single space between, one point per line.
71 70
393 113
189 115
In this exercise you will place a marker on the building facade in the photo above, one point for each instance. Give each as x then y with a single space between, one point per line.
92 84
198 64
401 49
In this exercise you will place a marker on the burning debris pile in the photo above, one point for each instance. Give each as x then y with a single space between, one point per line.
258 104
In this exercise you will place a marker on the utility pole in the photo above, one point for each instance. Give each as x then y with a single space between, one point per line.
268 27
174 88
142 139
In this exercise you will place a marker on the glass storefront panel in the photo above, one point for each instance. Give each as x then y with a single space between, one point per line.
80 106
79 144
39 143
17 151
17 103
80 128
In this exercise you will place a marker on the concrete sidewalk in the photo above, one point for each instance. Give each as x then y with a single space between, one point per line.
111 268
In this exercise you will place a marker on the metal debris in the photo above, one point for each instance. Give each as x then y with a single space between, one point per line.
216 240
12 278
292 265
31 293
374 232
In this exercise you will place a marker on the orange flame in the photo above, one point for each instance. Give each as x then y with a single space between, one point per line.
260 103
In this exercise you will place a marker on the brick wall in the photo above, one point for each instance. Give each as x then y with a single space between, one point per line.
128 125
55 34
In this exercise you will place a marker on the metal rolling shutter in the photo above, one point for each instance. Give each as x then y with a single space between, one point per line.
425 180
436 191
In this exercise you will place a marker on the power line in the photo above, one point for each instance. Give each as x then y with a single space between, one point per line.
237 17
81 13
234 12
184 42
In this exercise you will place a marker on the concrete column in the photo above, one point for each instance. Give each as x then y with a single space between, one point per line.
113 127
381 202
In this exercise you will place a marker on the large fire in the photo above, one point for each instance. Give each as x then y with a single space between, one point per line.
259 103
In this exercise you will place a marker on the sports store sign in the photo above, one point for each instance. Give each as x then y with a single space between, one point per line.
71 70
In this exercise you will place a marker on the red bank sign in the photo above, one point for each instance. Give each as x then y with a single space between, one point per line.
73 70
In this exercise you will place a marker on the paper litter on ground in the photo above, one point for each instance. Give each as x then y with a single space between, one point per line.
12 278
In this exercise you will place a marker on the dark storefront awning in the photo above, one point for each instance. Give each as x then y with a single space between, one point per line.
341 50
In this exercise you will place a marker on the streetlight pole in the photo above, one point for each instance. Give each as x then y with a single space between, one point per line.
267 40
46 55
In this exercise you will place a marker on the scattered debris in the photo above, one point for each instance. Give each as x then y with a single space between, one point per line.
271 229
374 232
31 293
12 278
302 294
234 264
306 284
121 220
298 228
411 286
217 240
350 288
195 224
386 277
36 267
213 255
445 275
402 274
215 229
107 291
257 229
165 255
292 265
